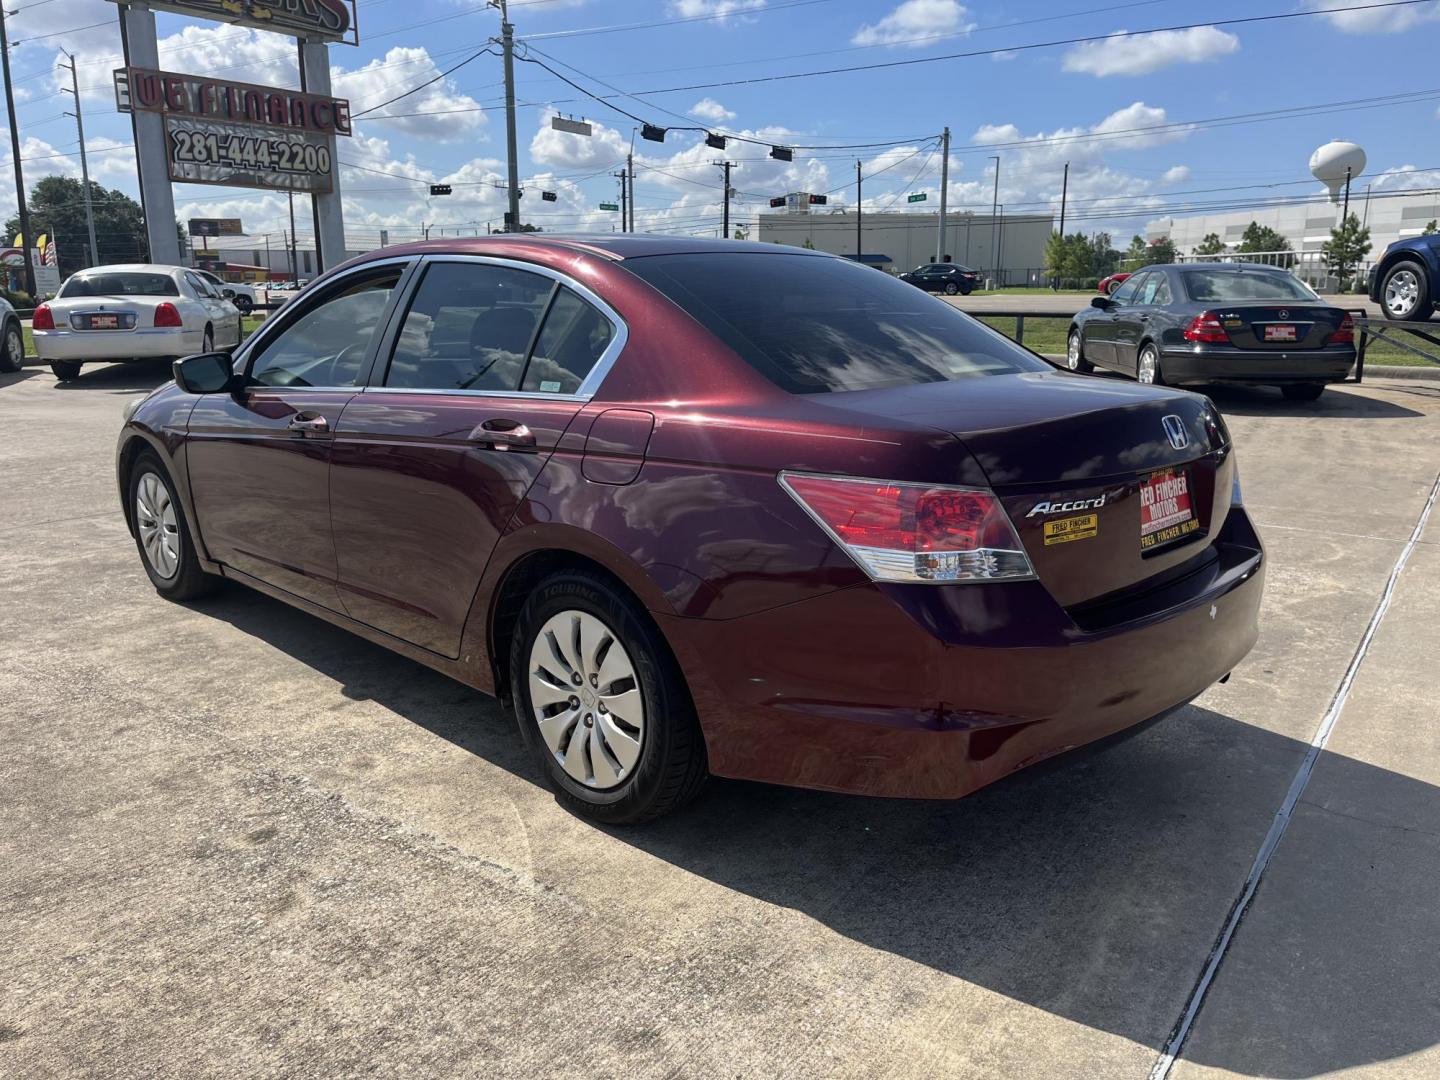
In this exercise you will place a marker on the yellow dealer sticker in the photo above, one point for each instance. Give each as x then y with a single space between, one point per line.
1064 530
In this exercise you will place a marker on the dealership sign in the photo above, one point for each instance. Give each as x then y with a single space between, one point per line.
205 98
211 152
317 20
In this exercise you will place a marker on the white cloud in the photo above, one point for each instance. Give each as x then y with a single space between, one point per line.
440 103
1176 174
605 147
1140 54
1404 178
710 109
1380 21
691 9
915 19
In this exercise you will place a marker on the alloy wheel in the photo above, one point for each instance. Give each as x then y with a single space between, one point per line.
159 529
1402 292
585 698
1148 364
1072 351
14 348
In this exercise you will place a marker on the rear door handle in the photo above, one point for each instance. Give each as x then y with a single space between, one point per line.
309 424
503 434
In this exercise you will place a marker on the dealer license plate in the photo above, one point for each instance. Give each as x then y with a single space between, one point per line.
1280 332
1166 511
104 322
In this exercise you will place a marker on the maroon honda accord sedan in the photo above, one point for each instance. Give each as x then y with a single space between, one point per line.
702 507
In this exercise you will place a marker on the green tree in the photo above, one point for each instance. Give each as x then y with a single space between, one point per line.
808 245
1134 257
1160 251
739 233
1348 244
1210 245
1103 259
57 208
1432 228
1261 238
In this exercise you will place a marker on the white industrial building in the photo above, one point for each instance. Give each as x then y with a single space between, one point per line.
902 241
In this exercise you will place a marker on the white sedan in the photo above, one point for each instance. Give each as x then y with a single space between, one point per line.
133 311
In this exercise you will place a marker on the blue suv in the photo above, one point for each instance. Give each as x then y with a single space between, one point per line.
1406 280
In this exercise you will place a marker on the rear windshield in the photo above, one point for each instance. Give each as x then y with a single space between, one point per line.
120 284
1213 286
812 324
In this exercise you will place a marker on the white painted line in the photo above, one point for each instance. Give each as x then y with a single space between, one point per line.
1181 1031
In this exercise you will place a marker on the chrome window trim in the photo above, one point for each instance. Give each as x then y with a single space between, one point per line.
588 387
262 336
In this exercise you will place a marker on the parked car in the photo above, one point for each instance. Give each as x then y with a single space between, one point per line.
12 339
1201 323
949 278
132 311
1110 284
237 292
1405 282
857 541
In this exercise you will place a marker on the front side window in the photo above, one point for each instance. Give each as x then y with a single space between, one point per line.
327 345
816 325
1219 286
1128 291
123 283
469 327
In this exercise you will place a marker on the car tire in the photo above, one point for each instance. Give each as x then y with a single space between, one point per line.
1075 352
624 784
951 288
1147 365
65 369
162 533
1303 391
12 351
207 342
966 290
1405 293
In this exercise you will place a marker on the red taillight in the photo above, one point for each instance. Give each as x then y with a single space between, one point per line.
1346 334
914 532
167 314
1206 327
44 318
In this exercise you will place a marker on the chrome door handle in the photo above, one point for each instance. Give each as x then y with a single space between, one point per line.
309 424
504 435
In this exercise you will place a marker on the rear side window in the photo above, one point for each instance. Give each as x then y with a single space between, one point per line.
469 327
120 284
573 340
812 324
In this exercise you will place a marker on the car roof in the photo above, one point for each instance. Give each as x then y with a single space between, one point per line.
615 246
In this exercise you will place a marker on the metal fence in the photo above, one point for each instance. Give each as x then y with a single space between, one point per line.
1308 266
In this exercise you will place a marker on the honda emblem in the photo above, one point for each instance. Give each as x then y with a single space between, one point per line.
1175 432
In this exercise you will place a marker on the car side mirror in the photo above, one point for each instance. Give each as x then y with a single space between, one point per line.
205 373
1104 303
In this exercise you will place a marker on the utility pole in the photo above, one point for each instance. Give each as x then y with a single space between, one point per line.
944 190
630 180
294 256
624 200
725 170
994 206
1064 190
84 168
859 214
15 153
507 48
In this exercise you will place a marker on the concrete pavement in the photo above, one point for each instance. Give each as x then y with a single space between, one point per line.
239 840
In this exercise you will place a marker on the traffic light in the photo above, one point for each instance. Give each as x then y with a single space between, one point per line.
439 189
778 202
548 196
715 142
653 133
782 153
818 200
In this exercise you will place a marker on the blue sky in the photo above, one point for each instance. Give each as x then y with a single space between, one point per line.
1135 117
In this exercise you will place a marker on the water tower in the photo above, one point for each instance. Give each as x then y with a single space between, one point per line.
1335 163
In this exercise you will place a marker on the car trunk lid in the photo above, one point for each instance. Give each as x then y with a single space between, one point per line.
1108 484
1265 327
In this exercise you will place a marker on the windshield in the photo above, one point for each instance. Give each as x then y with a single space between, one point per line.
120 284
812 324
1215 286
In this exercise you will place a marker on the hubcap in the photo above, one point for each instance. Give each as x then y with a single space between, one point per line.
1402 292
586 699
14 349
159 529
1147 366
1072 352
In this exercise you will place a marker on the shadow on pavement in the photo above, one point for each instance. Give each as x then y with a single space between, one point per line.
10 378
141 375
1092 887
1337 401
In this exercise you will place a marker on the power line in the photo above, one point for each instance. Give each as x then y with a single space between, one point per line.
427 82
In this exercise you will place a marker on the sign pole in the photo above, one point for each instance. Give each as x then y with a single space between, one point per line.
329 217
151 153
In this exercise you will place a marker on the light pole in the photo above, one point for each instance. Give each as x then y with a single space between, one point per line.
507 51
944 190
84 167
994 206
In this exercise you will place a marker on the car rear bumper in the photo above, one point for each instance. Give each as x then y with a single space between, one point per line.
922 691
100 345
1224 364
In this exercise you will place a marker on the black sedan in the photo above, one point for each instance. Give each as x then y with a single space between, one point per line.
1216 323
949 278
